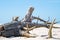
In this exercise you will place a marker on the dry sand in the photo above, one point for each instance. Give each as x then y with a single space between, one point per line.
42 34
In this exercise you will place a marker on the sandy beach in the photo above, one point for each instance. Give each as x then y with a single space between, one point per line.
42 34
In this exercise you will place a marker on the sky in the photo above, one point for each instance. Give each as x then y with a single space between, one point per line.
42 8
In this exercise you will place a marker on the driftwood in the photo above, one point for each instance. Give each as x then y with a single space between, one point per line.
15 18
50 29
1 28
25 25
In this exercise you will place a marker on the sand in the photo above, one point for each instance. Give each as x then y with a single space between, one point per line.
42 34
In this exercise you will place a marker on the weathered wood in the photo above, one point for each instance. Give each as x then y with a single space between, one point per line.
28 15
15 18
11 32
50 29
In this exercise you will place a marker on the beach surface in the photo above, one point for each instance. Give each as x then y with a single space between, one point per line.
41 34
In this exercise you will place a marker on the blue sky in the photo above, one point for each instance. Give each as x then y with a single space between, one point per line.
43 9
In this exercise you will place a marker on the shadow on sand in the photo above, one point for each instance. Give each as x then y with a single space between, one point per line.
50 38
